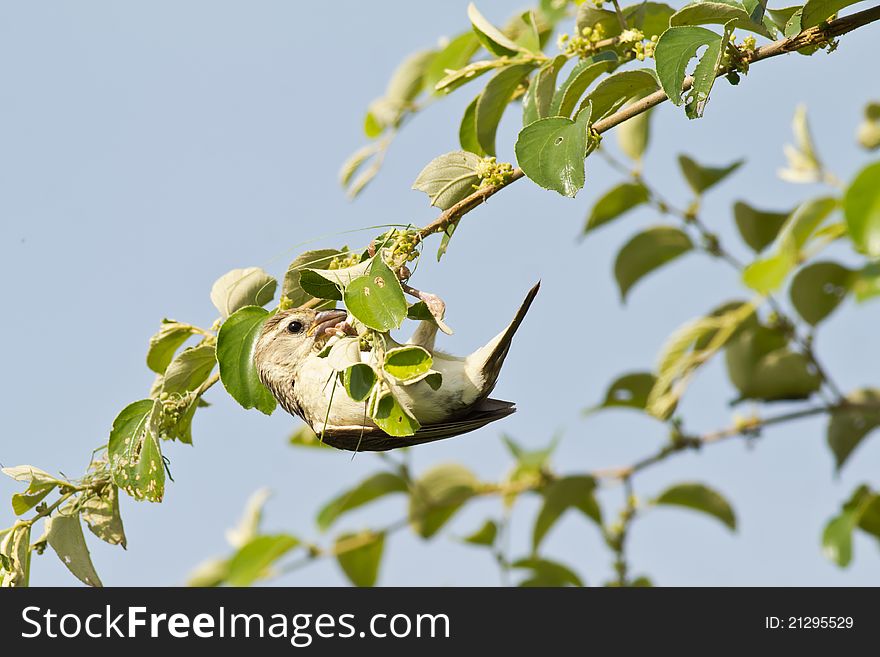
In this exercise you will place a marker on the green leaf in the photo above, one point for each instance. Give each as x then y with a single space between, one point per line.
317 259
804 165
101 513
485 535
209 573
650 17
242 287
758 227
359 380
236 343
690 347
819 288
376 299
467 131
780 18
15 557
861 511
490 36
163 344
255 559
634 134
494 100
393 417
534 459
588 15
547 573
305 437
646 252
867 282
537 103
559 496
551 152
849 426
472 71
190 369
30 473
372 488
584 73
861 207
360 564
629 391
554 10
407 362
699 497
64 534
525 31
869 131
767 274
437 495
407 80
316 285
444 240
837 539
868 510
355 163
134 453
248 526
35 493
455 55
761 366
449 178
700 178
676 47
40 484
616 202
718 13
618 89
816 11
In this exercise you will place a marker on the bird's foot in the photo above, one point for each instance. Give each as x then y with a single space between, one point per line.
436 306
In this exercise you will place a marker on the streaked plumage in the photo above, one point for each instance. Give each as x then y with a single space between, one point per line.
288 364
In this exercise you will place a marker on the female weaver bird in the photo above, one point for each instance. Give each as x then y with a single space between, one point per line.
288 362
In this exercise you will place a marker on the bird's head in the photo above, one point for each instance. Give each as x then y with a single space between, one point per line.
290 336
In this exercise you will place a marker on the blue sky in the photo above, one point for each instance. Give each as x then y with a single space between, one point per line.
147 148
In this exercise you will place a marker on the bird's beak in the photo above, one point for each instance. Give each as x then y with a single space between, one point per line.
326 319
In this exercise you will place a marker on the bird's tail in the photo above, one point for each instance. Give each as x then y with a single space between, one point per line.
493 354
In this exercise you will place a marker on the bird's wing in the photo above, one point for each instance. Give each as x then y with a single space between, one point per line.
373 439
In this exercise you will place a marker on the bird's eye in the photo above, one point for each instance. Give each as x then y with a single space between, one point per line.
295 326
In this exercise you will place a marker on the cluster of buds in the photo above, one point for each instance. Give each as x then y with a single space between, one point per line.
583 44
736 58
645 49
366 341
397 246
403 248
492 173
345 259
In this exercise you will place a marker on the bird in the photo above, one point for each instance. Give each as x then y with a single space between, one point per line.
286 357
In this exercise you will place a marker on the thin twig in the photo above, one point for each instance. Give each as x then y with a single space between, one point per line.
620 17
811 37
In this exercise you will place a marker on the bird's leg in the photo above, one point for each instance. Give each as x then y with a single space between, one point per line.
342 328
435 304
426 332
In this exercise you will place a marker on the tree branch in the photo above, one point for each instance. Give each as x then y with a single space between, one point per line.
813 36
683 443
